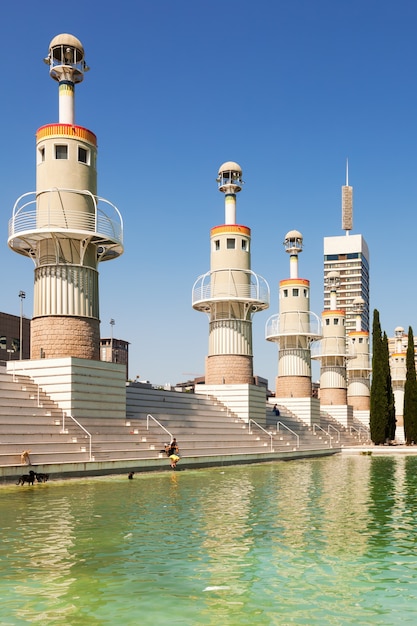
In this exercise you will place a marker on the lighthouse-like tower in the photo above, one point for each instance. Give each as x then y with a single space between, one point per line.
358 366
294 329
64 227
230 293
331 352
398 368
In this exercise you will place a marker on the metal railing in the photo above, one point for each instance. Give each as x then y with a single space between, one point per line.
53 215
358 430
251 421
64 415
231 284
315 426
338 432
291 431
149 416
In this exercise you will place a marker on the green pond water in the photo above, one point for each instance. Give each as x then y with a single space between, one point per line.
322 541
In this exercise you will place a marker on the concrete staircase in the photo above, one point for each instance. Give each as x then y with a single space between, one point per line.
328 433
29 420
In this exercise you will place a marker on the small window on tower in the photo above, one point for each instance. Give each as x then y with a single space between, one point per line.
217 244
61 152
231 244
41 154
295 292
244 245
336 321
327 322
285 293
83 155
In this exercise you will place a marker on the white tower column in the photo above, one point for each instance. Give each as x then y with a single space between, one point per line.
230 293
64 227
358 366
332 350
294 328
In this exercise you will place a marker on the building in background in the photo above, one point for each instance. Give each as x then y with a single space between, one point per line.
397 349
115 350
10 338
349 256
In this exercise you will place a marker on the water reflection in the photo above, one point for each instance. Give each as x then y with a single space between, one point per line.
315 541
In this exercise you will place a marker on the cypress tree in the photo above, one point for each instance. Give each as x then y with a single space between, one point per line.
410 394
378 422
391 421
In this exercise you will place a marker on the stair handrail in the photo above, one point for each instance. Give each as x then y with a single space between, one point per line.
82 428
326 433
156 422
291 431
251 421
358 430
338 432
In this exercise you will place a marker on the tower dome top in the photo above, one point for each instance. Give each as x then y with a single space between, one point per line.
399 329
65 39
229 177
66 58
294 234
333 275
230 166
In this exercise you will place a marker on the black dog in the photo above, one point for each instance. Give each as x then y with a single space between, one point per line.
130 476
42 478
27 478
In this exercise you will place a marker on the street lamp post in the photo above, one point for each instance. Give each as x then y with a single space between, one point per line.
22 296
112 323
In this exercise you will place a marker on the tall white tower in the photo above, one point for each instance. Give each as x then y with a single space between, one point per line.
398 367
64 227
294 328
358 366
331 350
230 293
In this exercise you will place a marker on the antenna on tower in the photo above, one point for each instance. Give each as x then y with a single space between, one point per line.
347 203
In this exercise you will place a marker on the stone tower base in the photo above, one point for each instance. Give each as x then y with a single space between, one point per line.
60 336
333 396
293 387
359 403
229 369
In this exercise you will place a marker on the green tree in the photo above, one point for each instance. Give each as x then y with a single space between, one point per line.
378 420
391 421
410 393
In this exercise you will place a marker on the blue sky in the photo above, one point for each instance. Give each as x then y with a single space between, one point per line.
288 89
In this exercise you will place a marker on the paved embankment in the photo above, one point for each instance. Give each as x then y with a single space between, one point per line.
11 473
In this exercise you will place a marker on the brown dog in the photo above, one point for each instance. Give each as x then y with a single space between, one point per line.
25 458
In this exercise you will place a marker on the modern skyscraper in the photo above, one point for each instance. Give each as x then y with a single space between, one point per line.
349 256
